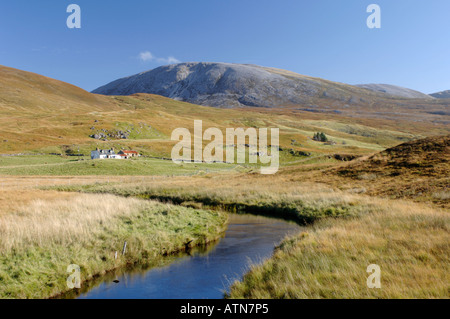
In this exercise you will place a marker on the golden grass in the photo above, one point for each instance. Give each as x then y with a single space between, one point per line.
64 221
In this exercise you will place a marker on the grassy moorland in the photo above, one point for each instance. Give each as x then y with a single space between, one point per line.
388 207
41 115
40 239
300 203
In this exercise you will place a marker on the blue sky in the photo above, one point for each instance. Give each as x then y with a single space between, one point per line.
323 38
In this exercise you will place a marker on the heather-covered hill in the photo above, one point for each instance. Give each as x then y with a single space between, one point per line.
419 170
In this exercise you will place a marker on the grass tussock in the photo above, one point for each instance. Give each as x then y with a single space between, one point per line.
40 240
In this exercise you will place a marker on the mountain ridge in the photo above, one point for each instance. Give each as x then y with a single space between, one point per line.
441 95
395 90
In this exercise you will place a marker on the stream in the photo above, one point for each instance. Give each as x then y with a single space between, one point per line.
204 273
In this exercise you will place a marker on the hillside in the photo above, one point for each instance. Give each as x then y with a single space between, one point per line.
43 115
37 111
418 170
27 92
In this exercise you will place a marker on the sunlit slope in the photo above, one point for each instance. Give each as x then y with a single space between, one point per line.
36 111
27 92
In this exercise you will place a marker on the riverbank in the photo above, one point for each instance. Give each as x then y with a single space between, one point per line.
41 239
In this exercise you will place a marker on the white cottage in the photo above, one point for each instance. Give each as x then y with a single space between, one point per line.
105 154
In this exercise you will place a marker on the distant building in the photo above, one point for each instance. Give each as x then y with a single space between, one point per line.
129 154
105 154
110 154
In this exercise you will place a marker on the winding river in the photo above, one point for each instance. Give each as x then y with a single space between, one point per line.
205 273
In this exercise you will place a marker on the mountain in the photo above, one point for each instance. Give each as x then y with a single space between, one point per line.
235 85
394 90
442 95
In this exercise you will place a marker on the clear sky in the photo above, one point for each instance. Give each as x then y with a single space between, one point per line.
322 38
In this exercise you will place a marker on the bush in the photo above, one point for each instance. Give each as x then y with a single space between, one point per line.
320 137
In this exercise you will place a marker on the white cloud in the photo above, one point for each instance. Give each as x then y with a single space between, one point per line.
147 56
